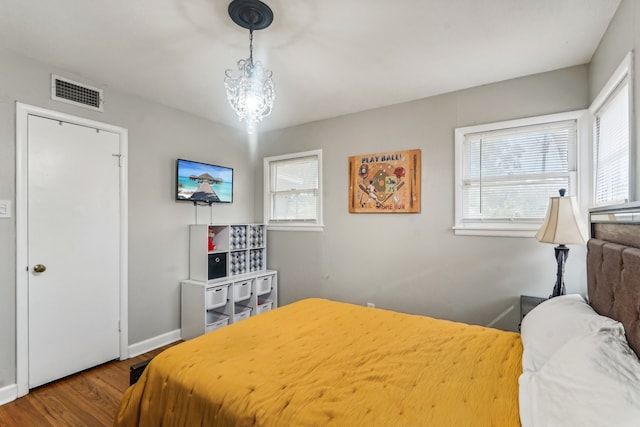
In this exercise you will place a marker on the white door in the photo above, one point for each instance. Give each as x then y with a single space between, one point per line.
73 235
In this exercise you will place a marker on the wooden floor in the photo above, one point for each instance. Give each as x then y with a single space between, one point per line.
89 398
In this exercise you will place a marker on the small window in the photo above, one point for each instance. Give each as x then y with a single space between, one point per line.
612 168
506 172
293 191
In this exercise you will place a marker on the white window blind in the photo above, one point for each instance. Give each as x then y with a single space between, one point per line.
611 148
509 174
293 192
506 171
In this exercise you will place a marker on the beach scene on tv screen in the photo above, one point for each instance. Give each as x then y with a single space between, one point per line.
200 182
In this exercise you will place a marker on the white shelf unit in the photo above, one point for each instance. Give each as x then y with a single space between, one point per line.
238 249
228 277
207 306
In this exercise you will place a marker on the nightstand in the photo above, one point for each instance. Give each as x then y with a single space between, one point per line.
528 303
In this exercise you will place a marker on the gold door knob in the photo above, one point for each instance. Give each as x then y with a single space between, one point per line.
39 268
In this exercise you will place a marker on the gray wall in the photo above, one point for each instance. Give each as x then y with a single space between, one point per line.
158 225
413 262
622 36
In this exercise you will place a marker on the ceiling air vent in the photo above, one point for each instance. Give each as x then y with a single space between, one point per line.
75 93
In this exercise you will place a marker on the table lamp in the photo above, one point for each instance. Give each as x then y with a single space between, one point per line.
562 226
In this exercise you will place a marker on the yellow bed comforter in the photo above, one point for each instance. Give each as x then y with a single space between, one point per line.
322 363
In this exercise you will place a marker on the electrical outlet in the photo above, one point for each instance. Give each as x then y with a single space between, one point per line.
371 305
5 208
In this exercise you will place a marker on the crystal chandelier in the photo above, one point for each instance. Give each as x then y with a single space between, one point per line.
251 91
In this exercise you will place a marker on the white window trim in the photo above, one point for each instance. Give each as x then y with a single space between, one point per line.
503 228
294 226
624 71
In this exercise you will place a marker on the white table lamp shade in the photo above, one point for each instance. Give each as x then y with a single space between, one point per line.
562 223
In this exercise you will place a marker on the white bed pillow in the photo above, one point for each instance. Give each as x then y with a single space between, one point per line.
550 325
525 399
593 380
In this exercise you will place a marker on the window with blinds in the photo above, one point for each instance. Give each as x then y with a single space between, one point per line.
507 171
293 189
611 147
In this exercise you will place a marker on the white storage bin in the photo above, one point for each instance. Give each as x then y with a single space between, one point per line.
216 297
216 321
263 306
242 290
263 285
241 313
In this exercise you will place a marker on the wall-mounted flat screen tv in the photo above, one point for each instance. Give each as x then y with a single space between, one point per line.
204 182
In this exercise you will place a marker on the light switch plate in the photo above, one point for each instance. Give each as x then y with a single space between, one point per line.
5 208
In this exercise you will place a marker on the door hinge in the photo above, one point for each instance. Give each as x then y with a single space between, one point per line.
119 156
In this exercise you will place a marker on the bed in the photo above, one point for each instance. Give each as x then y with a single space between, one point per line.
325 363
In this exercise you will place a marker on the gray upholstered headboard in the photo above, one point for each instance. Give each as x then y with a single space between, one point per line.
613 267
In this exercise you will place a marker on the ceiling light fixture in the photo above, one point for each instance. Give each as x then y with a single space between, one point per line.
251 92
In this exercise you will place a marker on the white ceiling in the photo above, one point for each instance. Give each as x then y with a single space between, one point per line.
328 57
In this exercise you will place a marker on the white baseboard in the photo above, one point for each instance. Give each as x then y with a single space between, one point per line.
153 343
500 316
8 394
